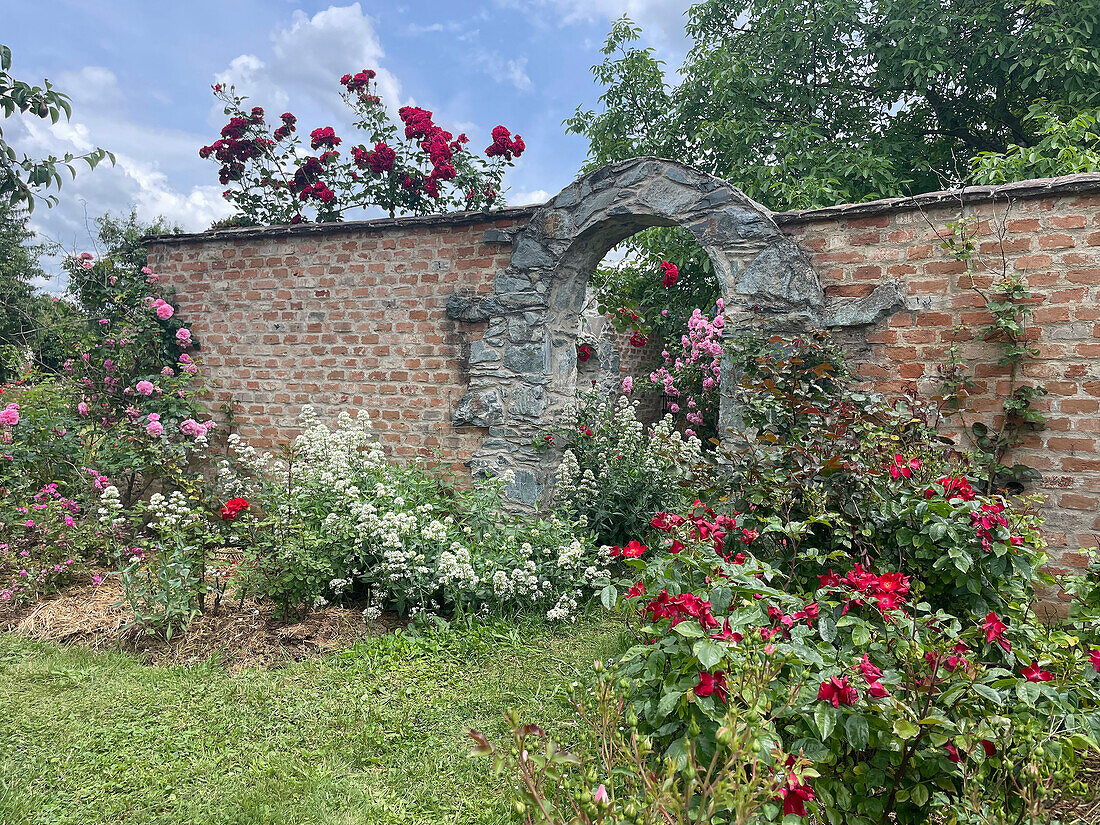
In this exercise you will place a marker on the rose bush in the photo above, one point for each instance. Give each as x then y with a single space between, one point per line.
415 168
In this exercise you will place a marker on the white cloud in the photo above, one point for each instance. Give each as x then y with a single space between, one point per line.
307 58
662 21
529 196
503 70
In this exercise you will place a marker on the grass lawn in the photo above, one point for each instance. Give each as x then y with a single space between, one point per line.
373 734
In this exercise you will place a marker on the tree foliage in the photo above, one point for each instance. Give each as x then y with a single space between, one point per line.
804 103
22 178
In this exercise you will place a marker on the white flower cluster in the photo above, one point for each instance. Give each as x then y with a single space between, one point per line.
414 542
172 512
110 507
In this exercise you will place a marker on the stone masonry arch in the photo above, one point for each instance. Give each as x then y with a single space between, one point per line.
523 370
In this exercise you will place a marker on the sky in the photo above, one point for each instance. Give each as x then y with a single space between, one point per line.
139 74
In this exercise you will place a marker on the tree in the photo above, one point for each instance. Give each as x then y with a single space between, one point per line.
805 103
21 308
22 179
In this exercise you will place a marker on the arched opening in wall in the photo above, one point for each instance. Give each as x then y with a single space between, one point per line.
649 326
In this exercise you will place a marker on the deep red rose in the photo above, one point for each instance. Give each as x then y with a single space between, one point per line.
710 684
838 692
639 339
994 629
584 353
671 273
233 508
324 137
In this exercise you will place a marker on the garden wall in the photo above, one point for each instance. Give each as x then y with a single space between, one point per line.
342 316
355 316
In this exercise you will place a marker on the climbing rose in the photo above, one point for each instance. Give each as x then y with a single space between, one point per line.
155 428
183 335
953 488
671 273
795 797
711 683
323 137
584 352
953 754
1094 657
633 550
1033 674
870 673
144 388
637 589
994 628
10 415
838 692
639 339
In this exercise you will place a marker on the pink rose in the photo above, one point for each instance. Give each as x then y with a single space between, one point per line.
144 388
155 428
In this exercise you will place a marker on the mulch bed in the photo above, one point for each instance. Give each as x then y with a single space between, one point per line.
240 635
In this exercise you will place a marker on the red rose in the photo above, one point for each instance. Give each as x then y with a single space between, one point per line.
671 273
994 629
639 339
838 692
710 684
233 508
584 352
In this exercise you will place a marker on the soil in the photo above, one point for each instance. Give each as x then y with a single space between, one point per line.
240 635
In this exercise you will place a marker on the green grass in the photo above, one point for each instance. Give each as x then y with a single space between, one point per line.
373 734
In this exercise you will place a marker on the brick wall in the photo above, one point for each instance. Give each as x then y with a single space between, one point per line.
352 316
344 317
1048 232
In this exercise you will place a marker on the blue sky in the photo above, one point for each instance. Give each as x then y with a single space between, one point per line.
139 74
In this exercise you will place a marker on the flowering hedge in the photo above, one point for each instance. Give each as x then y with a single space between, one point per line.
334 519
416 168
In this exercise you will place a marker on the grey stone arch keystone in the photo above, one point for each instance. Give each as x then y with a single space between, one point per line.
523 371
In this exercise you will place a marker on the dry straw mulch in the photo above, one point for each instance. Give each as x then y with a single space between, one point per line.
241 636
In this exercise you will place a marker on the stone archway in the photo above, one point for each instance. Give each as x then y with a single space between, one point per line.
523 371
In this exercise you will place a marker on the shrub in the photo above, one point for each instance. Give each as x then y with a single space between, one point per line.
829 476
904 712
614 474
417 167
331 518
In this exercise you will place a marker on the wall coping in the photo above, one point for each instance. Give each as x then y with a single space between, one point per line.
1084 183
313 230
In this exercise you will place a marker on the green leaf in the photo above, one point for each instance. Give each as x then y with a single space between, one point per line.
825 719
856 728
905 729
609 596
919 795
689 630
1028 692
989 693
708 653
826 629
667 702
